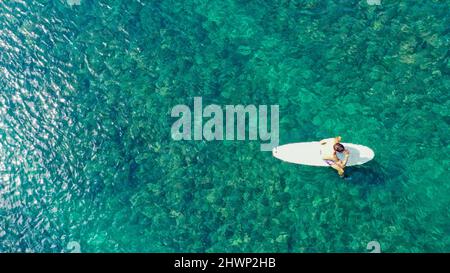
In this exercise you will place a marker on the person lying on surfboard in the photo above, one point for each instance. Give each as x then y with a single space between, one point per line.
328 150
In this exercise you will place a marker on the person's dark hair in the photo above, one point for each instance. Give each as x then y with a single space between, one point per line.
338 147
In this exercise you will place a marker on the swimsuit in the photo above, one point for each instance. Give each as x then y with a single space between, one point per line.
328 161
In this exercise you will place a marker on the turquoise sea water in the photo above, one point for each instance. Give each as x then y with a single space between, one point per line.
86 157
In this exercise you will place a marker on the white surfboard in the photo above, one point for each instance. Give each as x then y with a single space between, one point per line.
308 153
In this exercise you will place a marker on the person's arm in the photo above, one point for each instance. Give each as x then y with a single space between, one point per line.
347 155
323 142
337 139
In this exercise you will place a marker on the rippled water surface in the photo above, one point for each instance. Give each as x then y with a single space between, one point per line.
86 158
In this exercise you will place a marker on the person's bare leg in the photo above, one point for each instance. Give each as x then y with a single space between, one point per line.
339 169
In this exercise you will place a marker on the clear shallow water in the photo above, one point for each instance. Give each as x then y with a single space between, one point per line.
85 148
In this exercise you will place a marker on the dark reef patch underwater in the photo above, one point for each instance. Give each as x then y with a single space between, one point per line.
86 156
